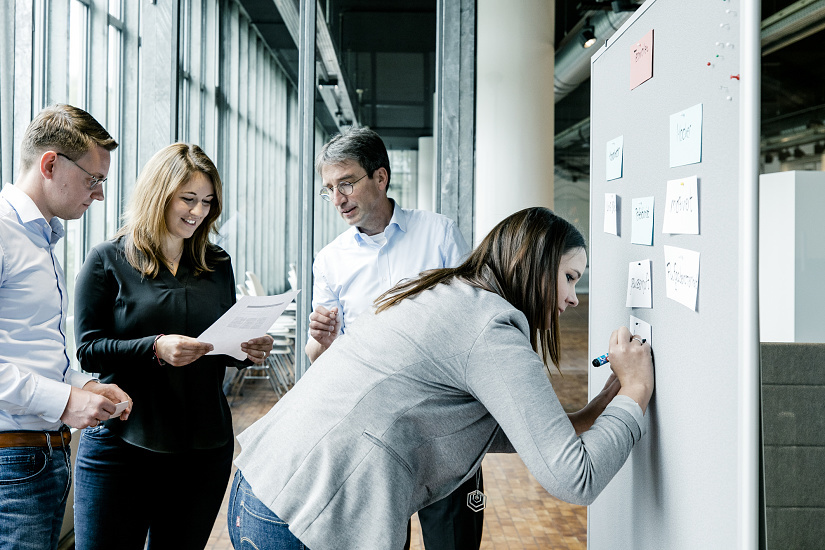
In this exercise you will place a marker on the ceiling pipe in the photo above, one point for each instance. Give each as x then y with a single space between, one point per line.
573 60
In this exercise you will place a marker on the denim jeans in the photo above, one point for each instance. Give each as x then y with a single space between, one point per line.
34 484
252 525
124 493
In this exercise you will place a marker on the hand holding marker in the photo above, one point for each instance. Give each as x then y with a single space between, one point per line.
602 359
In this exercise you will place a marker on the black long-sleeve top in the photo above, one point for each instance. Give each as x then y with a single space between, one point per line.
118 315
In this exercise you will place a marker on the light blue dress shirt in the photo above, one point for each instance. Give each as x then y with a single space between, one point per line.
354 269
35 373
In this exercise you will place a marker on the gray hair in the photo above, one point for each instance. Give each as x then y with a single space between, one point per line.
361 145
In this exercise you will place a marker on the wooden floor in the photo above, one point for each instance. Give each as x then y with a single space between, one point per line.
520 514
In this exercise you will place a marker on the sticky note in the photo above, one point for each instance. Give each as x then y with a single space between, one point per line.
682 275
639 287
641 214
611 214
686 137
614 158
682 206
641 60
641 329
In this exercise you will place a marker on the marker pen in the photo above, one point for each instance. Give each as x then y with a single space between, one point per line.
600 360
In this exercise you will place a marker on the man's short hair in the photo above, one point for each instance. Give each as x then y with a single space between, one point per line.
359 144
65 129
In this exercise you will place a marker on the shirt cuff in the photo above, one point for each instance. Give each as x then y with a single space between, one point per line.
50 399
628 405
78 379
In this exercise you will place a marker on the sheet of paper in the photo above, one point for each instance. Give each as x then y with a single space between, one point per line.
249 318
682 275
639 289
640 328
641 60
611 214
642 221
682 206
614 158
119 408
686 136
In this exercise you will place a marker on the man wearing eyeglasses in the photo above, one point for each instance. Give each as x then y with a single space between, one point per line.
64 159
384 245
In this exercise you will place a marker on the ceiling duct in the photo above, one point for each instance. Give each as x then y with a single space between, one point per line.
792 24
572 60
336 98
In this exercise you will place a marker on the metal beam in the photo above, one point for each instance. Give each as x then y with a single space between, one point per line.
306 153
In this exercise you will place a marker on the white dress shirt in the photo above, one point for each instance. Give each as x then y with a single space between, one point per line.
354 269
35 373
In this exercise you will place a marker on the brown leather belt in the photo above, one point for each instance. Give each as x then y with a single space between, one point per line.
35 439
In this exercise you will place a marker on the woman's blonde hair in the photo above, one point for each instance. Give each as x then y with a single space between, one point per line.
518 260
144 224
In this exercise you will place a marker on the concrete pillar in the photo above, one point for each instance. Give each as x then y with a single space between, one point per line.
426 170
514 109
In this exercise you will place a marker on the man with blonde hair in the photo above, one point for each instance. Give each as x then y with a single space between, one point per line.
64 159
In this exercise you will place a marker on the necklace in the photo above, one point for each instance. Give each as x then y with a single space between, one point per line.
476 500
174 261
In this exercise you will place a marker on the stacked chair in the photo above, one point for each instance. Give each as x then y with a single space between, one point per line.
279 367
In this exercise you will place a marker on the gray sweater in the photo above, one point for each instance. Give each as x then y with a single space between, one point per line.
401 410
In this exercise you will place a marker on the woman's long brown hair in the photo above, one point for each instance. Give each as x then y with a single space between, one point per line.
518 260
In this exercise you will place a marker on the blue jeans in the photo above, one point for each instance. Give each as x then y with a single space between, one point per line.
34 484
124 493
252 525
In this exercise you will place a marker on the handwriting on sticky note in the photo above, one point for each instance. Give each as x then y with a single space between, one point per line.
639 288
682 206
686 136
615 158
642 221
682 275
611 214
641 60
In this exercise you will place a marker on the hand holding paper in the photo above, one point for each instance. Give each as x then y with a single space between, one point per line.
248 319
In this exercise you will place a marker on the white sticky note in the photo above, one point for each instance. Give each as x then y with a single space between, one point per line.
682 206
640 328
611 214
639 287
641 214
615 154
686 136
682 275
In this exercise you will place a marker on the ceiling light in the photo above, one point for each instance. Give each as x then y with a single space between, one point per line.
588 35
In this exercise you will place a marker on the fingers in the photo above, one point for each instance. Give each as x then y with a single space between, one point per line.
180 350
258 349
323 320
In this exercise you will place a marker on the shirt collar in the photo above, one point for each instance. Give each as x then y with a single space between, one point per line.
397 222
28 212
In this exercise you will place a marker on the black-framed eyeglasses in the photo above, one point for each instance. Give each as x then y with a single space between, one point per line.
95 180
345 188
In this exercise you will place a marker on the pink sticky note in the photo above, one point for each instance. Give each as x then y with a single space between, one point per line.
641 60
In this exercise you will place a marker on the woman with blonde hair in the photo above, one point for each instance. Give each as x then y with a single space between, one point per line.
401 410
141 299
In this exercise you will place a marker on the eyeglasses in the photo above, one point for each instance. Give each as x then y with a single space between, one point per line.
95 180
345 188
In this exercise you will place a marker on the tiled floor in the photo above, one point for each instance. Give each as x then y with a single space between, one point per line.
520 514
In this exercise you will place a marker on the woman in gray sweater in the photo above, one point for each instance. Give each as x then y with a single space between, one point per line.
453 365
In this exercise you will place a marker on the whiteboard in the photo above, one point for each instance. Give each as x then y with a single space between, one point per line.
692 481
